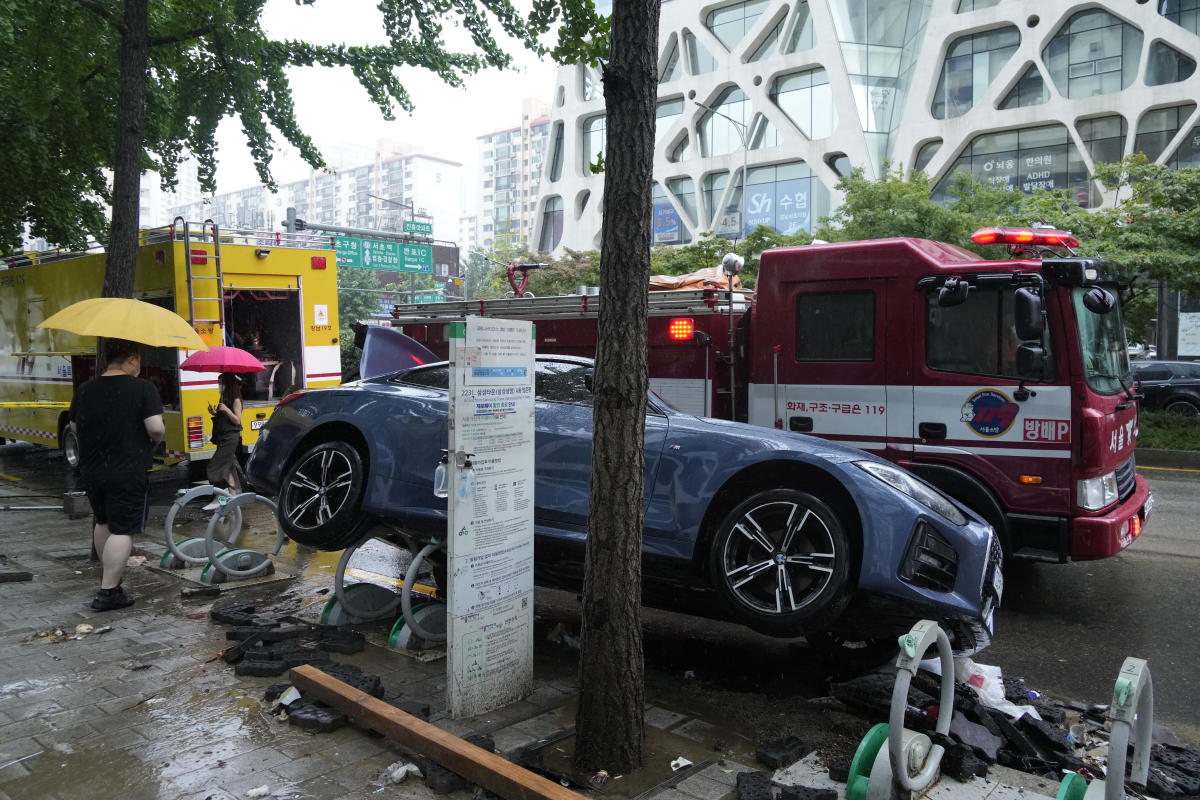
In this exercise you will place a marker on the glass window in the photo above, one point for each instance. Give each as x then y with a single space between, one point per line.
1093 53
1157 128
670 70
435 377
1104 137
665 115
1030 90
802 36
593 141
556 154
835 327
1167 65
589 86
1151 373
925 154
1028 159
730 23
1102 346
680 152
712 188
717 134
763 133
700 61
561 382
971 64
1188 152
1185 13
807 99
767 46
974 5
977 337
552 223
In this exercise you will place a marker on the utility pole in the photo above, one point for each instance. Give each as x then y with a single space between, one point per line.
744 135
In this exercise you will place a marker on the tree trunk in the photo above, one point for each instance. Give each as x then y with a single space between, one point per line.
127 164
610 725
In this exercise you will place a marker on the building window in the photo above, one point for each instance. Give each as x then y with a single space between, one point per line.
1157 128
1030 90
1028 159
667 227
835 326
1185 13
593 142
807 99
971 64
730 23
1104 137
712 189
1094 53
557 153
670 68
1167 65
802 36
974 5
684 190
925 154
781 197
665 115
589 86
718 135
552 223
700 62
768 45
680 152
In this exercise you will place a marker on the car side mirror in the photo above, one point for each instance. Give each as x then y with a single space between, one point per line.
1031 361
1027 313
1099 300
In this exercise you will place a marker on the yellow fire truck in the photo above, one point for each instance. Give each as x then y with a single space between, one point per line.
273 294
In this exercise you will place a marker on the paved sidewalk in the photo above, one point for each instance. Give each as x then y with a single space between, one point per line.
147 710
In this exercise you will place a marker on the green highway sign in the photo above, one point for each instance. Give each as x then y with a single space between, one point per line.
354 251
426 297
424 228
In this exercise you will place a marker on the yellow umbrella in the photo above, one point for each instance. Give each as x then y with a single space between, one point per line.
122 318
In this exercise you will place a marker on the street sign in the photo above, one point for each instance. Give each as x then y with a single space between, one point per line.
355 251
423 228
729 224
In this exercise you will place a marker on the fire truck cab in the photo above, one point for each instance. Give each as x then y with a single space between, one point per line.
1004 383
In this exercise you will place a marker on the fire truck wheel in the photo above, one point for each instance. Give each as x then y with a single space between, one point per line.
780 559
320 496
70 448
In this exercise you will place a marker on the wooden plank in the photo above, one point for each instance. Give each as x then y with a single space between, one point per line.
477 765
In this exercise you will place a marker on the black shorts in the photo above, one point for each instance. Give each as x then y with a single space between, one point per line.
121 503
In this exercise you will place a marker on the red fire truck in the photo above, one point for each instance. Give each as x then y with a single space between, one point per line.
1005 383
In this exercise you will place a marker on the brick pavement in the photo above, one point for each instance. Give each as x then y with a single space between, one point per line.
144 711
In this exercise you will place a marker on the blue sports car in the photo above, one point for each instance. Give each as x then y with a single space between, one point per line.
789 534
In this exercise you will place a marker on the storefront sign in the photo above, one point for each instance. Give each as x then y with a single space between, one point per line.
490 528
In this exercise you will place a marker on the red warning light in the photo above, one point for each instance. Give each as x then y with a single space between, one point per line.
681 329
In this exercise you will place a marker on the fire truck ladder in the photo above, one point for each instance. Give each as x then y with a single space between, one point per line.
201 257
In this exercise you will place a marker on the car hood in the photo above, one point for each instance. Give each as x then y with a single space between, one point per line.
782 440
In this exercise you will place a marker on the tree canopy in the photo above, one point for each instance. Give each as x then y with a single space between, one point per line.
205 60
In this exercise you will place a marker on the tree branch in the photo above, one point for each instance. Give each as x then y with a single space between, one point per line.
181 37
104 13
96 70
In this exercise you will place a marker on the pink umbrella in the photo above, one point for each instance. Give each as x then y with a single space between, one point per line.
222 359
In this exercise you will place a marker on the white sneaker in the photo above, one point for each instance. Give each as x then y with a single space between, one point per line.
213 506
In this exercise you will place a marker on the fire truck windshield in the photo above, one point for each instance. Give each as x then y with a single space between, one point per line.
1102 345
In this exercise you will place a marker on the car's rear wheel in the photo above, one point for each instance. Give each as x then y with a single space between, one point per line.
320 496
1184 408
782 559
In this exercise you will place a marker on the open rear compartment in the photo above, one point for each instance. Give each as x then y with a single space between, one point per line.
266 323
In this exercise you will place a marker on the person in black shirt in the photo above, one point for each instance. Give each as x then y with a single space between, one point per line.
223 469
118 420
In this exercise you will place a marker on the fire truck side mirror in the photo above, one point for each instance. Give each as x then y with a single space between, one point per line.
1031 361
1099 300
953 292
1027 314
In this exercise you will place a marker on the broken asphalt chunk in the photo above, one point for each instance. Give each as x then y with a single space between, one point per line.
806 793
353 676
316 717
439 779
780 753
754 785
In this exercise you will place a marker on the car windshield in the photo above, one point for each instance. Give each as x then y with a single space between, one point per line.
1102 345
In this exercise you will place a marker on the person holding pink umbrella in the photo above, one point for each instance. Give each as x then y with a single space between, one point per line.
223 469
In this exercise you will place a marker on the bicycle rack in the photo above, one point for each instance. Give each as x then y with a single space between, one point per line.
903 763
1132 704
192 551
233 563
365 602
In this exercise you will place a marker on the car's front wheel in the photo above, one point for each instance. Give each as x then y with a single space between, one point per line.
320 496
1184 408
781 560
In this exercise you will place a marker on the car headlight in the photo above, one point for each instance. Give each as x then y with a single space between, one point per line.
915 488
1096 493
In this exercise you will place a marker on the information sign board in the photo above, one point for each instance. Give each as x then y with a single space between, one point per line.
490 528
423 228
355 251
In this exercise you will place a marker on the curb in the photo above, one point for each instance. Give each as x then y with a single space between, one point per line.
1169 459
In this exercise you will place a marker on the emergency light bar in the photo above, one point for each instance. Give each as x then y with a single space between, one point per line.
681 329
1036 237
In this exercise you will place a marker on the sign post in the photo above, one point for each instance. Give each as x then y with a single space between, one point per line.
490 528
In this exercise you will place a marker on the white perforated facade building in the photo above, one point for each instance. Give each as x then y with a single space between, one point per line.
1029 94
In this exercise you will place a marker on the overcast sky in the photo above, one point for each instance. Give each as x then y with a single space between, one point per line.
332 108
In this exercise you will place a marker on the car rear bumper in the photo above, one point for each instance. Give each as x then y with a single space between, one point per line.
1109 534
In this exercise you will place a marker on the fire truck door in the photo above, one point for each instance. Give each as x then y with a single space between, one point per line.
835 383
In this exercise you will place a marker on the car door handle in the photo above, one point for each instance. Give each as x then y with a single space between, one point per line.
800 424
931 430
